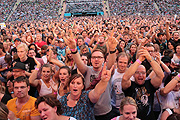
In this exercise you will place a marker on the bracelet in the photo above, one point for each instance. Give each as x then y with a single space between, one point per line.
176 79
138 61
111 52
74 52
37 69
55 93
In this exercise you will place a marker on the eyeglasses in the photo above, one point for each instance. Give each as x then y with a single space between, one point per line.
137 72
97 57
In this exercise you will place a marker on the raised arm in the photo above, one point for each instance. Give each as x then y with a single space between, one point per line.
32 79
126 82
167 30
112 43
157 79
54 61
75 54
170 86
95 94
164 66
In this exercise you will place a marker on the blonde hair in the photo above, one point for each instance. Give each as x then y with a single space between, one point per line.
82 47
127 101
23 45
69 62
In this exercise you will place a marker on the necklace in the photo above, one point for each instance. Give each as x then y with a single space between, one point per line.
76 100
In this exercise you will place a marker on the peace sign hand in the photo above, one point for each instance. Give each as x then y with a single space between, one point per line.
106 74
112 42
70 42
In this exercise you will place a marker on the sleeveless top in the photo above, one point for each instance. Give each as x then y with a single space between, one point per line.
44 90
58 95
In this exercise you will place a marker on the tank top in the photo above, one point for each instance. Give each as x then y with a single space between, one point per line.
44 90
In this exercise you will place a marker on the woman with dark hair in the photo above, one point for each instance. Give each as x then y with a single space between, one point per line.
171 45
33 46
49 40
4 97
121 46
170 95
176 57
132 49
79 103
50 108
63 78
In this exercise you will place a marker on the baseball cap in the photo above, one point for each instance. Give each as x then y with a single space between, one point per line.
17 39
19 65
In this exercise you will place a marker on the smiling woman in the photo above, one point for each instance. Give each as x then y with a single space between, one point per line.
128 109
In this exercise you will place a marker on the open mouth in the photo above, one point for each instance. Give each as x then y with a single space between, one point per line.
44 118
62 80
75 90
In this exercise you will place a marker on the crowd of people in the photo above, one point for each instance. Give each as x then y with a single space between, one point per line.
144 7
84 7
48 9
90 68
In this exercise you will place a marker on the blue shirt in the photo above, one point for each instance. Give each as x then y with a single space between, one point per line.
83 109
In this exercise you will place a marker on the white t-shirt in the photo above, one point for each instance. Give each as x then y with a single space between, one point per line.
116 93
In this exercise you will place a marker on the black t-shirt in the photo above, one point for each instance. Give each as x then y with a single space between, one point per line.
176 42
29 64
161 46
6 98
144 96
13 50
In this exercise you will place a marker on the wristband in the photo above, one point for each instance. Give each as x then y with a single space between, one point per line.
55 93
111 52
179 75
138 61
73 50
37 69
